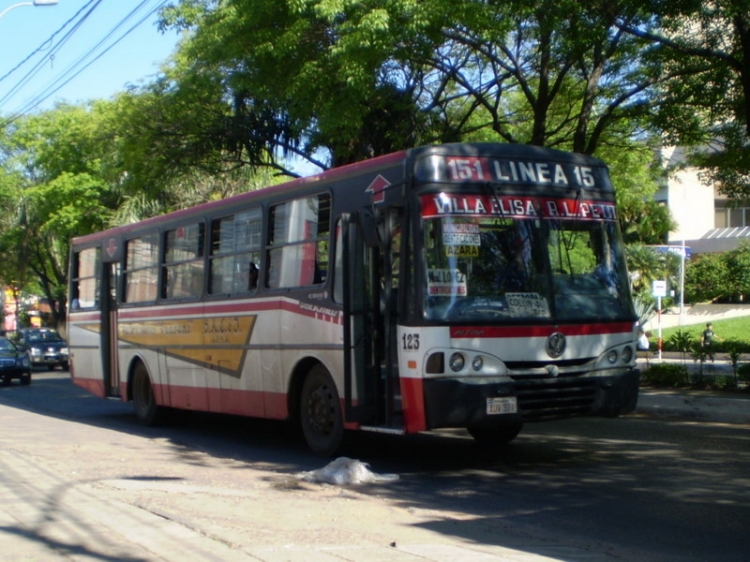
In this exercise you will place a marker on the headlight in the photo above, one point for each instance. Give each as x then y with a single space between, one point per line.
627 354
35 351
457 362
477 363
24 362
612 356
64 350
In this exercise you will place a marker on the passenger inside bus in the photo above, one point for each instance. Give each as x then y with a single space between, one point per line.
252 282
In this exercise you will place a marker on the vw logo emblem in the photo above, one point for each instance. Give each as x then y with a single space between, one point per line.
556 345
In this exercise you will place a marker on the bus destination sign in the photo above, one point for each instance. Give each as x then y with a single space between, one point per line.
477 169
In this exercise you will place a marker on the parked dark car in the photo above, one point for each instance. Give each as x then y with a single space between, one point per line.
14 363
45 347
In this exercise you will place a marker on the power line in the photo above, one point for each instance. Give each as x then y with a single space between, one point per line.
55 48
43 45
73 70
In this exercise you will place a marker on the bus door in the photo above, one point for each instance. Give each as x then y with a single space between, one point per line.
109 344
369 282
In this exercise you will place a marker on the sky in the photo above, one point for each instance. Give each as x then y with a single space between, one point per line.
79 50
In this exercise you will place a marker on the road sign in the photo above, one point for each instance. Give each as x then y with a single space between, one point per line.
659 288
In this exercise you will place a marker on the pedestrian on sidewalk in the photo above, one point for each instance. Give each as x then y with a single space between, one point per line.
707 338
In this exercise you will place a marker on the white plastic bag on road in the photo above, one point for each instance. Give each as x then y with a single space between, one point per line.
343 471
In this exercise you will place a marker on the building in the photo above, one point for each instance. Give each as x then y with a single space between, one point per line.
707 223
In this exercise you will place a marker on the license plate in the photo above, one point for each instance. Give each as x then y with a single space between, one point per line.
505 405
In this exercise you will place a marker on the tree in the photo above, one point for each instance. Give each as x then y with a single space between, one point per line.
57 193
706 278
355 79
738 269
646 265
705 46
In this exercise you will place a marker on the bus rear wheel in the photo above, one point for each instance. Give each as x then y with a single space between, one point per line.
146 409
496 436
320 413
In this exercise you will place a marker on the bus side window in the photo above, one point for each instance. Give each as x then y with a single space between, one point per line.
141 269
183 262
234 263
299 229
87 266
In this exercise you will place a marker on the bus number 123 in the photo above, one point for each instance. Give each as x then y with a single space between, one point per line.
411 342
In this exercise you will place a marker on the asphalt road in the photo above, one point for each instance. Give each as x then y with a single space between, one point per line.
80 479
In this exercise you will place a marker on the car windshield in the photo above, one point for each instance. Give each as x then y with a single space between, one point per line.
490 268
6 345
46 336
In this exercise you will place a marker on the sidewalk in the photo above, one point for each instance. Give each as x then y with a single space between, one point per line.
699 405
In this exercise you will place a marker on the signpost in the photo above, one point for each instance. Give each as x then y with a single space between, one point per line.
659 290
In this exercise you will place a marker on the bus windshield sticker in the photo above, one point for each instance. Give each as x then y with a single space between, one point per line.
468 251
446 283
525 305
461 234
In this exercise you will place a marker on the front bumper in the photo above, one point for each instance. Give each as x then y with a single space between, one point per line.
13 373
49 359
462 403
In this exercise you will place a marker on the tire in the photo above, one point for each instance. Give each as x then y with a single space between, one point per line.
144 402
320 413
26 379
495 437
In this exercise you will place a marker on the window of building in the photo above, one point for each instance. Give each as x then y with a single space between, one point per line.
728 217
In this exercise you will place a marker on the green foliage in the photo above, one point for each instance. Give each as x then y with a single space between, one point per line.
646 265
736 330
357 79
738 269
682 341
644 309
666 374
724 276
706 90
636 174
743 372
706 278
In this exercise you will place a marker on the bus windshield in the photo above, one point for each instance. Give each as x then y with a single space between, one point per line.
521 269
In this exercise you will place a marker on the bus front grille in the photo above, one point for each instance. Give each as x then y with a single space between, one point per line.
560 397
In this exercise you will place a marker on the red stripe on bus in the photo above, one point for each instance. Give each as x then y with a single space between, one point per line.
94 386
458 332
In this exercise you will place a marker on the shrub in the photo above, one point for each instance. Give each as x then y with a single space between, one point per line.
666 374
743 372
682 341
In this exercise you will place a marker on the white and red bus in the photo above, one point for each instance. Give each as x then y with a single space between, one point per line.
478 286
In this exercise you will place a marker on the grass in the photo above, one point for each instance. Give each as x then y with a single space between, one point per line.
731 341
731 329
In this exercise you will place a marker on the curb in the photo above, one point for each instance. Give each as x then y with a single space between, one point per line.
702 408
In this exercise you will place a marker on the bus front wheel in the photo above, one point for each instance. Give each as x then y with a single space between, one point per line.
320 413
496 436
146 409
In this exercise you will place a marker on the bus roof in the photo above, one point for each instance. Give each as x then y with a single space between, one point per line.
513 151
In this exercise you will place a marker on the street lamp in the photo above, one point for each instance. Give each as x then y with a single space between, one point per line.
34 3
